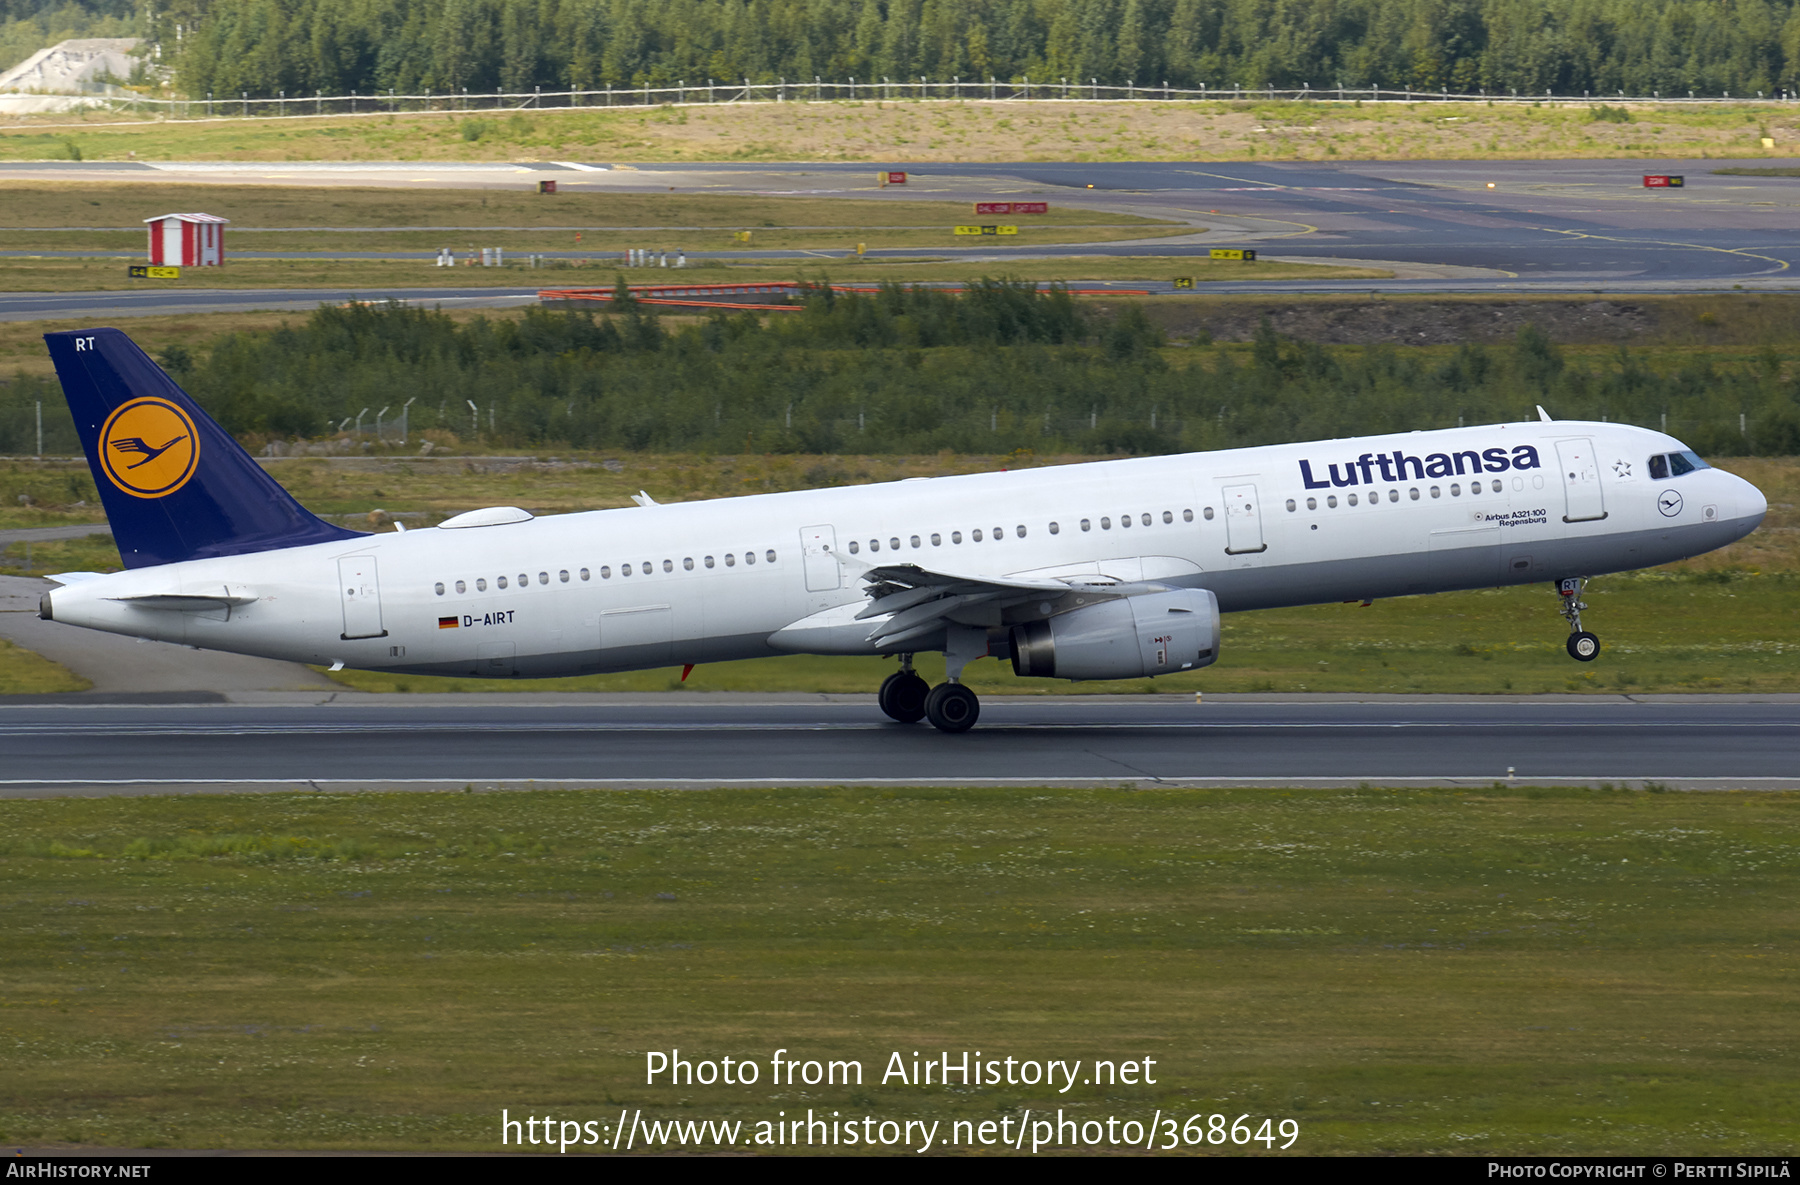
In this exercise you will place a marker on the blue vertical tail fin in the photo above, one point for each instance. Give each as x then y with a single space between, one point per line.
175 485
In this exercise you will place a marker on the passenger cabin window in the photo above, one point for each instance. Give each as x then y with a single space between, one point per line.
481 584
854 547
461 587
563 576
603 573
439 587
730 560
709 560
749 557
500 582
1206 513
1187 516
770 554
975 535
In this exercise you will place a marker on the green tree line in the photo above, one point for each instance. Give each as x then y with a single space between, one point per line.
1002 368
1532 46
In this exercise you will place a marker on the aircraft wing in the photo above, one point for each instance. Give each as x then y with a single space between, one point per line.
921 601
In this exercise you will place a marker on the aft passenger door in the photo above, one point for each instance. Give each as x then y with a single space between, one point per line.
1581 480
361 593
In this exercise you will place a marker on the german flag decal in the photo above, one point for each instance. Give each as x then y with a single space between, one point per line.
448 623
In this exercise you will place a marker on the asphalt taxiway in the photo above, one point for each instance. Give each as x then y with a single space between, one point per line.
1441 226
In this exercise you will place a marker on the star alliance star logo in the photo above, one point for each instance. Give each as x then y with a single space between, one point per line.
1622 468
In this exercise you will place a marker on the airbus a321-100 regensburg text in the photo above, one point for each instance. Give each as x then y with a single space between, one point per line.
1106 570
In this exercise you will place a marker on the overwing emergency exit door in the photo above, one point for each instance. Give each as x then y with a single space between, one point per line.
360 588
818 547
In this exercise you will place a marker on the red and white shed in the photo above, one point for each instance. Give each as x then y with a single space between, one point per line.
187 240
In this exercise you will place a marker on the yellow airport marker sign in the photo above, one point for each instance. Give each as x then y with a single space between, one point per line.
142 272
1248 255
987 230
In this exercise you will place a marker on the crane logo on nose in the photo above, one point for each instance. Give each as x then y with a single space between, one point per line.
1669 503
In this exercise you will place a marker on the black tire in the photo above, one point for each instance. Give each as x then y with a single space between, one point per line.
1584 647
902 697
951 707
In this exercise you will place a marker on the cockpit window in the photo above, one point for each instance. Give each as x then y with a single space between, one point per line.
1676 464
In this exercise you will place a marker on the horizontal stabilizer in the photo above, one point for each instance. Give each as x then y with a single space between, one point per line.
189 602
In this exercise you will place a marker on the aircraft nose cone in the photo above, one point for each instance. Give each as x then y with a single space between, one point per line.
1751 499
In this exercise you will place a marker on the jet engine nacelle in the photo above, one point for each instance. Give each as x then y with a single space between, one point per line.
1150 634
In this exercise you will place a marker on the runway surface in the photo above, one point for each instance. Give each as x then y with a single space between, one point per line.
745 741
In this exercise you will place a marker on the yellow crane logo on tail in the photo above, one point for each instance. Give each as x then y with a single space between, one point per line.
148 448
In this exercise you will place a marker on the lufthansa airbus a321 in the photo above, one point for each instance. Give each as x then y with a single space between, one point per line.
1106 570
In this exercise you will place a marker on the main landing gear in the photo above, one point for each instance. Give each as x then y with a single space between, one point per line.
903 694
1583 646
950 706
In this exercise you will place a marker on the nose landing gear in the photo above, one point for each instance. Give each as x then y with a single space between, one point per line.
1583 646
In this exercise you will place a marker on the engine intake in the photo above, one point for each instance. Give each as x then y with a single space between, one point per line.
1152 634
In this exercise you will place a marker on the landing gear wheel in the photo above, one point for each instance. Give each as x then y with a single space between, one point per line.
902 696
951 707
1584 647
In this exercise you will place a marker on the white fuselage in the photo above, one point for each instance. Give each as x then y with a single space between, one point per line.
746 577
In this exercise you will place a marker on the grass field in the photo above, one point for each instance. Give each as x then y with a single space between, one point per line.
25 673
51 215
1401 972
942 131
41 274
